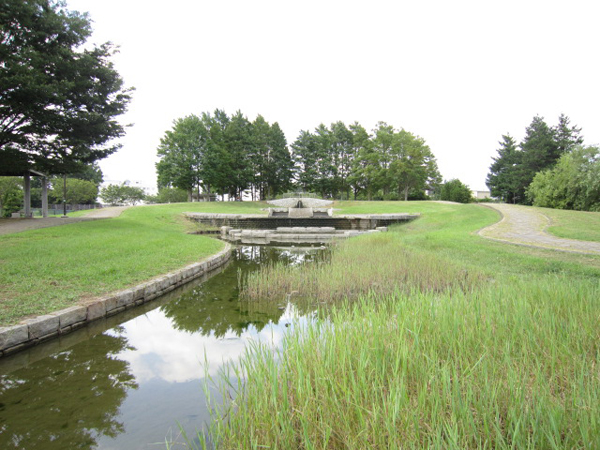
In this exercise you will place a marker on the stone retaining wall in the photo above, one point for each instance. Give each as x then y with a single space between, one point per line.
33 331
261 222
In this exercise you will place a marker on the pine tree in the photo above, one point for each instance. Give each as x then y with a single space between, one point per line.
502 179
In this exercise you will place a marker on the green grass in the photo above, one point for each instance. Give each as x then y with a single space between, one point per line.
511 362
48 269
581 225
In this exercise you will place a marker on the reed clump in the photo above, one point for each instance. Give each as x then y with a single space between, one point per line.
375 264
515 366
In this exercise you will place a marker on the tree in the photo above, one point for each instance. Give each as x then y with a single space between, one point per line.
413 166
216 163
539 150
343 154
58 103
132 194
365 165
455 191
383 141
78 191
238 145
567 137
11 195
181 152
305 158
167 195
502 178
112 194
280 165
573 183
90 172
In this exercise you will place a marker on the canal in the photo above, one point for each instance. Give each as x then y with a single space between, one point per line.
135 380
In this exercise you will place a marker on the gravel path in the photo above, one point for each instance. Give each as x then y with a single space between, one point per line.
525 226
8 226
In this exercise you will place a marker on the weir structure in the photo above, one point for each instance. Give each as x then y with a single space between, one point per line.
297 220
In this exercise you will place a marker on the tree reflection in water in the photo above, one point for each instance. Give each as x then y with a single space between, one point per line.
67 400
212 307
76 396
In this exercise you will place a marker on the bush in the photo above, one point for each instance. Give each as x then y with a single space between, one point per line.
456 191
171 195
13 202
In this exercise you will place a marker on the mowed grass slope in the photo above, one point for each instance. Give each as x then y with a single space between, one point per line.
48 269
582 225
506 359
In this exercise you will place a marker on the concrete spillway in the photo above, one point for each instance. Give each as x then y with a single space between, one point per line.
359 222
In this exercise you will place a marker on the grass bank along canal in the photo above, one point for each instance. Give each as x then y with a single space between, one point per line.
129 381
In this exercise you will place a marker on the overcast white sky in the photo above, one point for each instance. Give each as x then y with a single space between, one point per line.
457 73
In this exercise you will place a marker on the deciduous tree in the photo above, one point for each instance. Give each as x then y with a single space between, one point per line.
59 102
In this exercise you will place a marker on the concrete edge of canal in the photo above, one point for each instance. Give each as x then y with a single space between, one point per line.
39 329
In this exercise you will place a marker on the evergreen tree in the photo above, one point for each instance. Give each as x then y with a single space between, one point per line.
567 137
502 178
280 174
305 159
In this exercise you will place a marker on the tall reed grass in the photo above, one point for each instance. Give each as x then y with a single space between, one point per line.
513 365
434 338
377 265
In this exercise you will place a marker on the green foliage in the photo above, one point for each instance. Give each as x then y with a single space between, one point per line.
78 191
181 151
12 202
11 195
59 99
502 176
574 183
90 172
225 155
515 168
455 191
115 194
391 164
167 195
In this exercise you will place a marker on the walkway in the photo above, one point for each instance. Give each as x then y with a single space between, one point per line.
526 226
8 226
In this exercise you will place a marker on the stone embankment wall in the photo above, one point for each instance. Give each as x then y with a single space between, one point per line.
260 222
41 328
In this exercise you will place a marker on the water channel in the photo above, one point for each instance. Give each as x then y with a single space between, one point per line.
132 380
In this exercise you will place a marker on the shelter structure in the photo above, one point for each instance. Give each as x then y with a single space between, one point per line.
27 174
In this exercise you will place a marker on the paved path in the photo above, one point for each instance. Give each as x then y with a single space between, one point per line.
526 226
8 226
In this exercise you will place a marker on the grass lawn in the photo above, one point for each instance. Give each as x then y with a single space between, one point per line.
581 225
469 343
52 268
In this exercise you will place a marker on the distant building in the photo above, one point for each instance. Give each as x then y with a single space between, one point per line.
480 195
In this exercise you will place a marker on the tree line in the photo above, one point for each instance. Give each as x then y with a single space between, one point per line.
551 167
217 154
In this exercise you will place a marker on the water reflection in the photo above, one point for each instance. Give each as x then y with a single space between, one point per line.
42 403
124 382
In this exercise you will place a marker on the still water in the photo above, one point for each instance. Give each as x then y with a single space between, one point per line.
132 380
